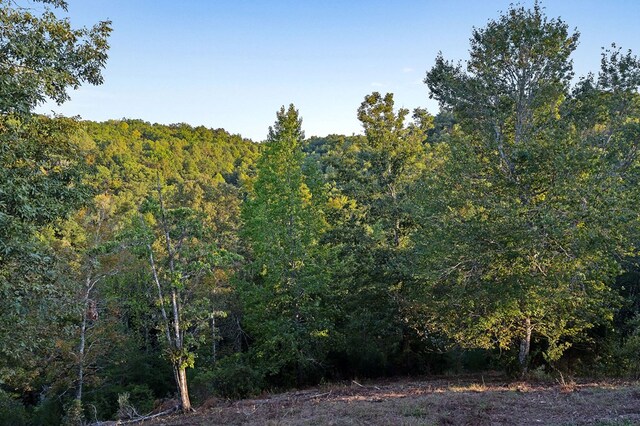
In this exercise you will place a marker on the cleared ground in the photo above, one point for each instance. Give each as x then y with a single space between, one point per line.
476 400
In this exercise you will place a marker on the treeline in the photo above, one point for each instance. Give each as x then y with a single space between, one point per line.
141 261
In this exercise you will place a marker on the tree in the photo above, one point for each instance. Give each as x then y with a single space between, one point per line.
43 56
87 255
606 111
392 160
516 242
371 220
182 256
283 222
126 345
40 165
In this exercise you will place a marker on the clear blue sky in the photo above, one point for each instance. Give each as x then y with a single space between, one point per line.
233 63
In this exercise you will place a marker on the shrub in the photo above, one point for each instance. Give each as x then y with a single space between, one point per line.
232 377
12 412
74 415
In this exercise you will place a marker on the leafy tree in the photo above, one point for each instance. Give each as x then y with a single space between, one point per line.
393 157
91 255
371 222
606 111
517 242
43 56
284 299
40 168
182 256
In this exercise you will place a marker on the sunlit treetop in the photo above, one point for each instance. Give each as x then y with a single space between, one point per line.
42 56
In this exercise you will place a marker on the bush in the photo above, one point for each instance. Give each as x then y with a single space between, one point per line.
232 377
141 397
12 412
630 350
615 354
49 411
74 415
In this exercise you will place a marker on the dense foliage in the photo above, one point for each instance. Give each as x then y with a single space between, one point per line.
141 262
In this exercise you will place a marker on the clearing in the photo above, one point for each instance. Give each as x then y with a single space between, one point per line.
458 400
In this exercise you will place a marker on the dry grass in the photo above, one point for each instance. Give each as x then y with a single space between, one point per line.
469 400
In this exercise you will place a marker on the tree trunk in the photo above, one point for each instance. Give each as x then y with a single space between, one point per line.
83 332
214 337
183 389
396 234
525 346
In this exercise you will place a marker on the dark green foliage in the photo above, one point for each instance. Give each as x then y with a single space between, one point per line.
140 371
73 416
284 299
41 175
12 412
371 221
236 377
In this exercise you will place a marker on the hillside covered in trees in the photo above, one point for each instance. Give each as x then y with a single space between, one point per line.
142 262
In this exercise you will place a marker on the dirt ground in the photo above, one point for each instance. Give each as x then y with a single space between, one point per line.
476 400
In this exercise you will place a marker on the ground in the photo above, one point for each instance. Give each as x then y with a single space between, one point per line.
468 400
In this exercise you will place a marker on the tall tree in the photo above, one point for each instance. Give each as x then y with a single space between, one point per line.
391 159
516 243
182 255
283 223
371 222
42 56
87 255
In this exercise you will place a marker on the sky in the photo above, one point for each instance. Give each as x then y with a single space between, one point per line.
233 63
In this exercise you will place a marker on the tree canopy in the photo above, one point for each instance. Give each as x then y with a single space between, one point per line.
143 262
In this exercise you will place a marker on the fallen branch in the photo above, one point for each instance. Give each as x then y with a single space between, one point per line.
137 419
364 387
148 417
319 395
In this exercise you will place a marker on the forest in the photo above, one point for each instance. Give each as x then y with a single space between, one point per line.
142 262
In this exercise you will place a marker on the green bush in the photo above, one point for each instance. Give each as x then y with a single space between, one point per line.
630 350
141 397
49 412
74 415
12 412
232 377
